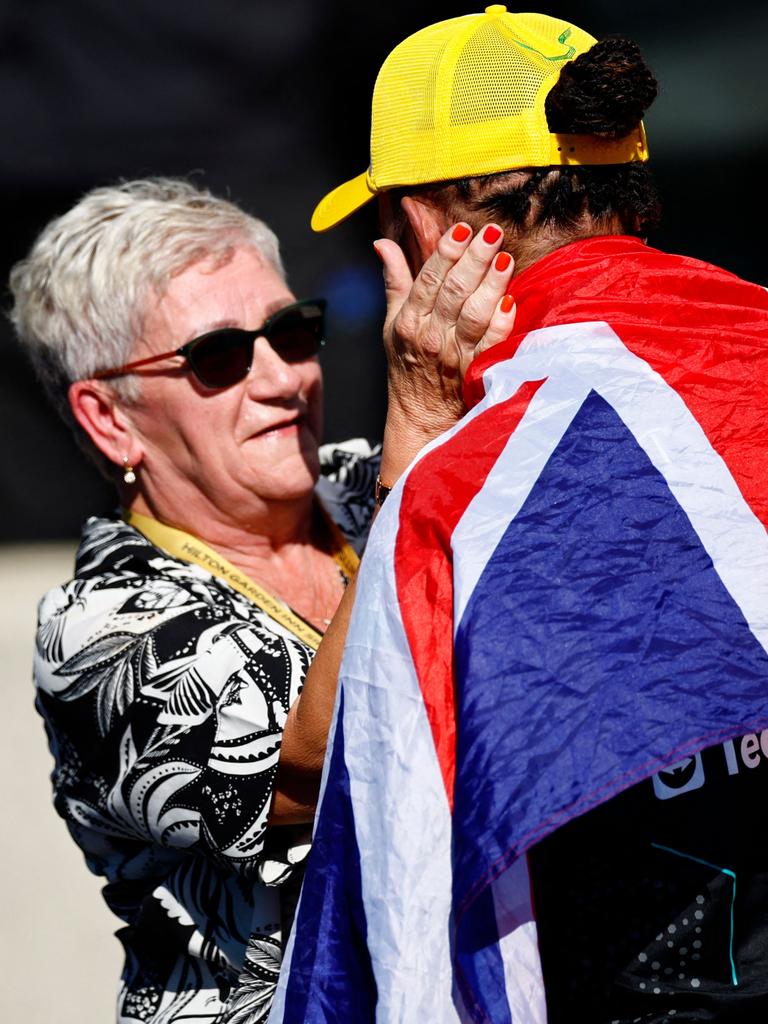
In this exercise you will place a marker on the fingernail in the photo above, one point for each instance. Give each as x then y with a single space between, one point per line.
376 250
491 235
460 233
506 304
502 261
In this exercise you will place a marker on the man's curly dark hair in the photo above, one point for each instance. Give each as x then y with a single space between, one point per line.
603 92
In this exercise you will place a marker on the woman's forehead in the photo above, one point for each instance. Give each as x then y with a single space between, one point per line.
241 292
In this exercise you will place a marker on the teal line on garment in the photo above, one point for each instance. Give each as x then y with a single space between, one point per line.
723 871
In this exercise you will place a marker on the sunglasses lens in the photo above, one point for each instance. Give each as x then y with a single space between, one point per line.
222 358
298 333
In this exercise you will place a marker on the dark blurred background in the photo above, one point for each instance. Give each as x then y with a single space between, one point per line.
269 104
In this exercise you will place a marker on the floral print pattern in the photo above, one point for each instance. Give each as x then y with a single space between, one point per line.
164 693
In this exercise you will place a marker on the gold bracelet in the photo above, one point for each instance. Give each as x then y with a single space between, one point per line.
380 492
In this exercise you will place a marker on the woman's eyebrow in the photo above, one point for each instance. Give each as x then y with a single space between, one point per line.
209 326
275 306
216 325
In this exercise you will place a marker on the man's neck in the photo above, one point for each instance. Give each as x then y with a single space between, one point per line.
534 246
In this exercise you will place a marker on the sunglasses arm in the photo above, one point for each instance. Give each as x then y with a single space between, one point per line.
130 367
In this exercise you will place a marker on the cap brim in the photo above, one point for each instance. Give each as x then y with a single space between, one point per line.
343 201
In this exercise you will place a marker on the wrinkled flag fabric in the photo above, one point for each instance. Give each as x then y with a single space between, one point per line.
565 593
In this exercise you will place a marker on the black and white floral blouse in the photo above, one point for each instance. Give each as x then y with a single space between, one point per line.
164 694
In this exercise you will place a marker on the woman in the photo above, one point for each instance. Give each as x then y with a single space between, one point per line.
161 324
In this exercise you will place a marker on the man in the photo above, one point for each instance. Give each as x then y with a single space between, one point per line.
542 784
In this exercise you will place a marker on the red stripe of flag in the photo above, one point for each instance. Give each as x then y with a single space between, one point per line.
436 493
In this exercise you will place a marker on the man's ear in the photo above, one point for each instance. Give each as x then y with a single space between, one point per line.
427 225
96 408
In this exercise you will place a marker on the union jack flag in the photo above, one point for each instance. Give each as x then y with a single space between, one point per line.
565 593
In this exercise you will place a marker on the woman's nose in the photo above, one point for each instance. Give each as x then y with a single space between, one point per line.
270 376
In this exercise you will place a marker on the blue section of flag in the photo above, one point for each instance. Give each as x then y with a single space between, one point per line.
598 639
330 979
480 975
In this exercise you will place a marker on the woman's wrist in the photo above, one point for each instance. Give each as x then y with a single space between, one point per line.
404 438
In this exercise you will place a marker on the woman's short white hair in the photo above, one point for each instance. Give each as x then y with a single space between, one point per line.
81 294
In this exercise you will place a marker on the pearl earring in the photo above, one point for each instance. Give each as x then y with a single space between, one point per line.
128 474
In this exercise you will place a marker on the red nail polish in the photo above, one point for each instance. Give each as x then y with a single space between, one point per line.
491 235
502 261
507 303
460 233
376 250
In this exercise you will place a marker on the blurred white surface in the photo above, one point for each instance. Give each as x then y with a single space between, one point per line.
61 961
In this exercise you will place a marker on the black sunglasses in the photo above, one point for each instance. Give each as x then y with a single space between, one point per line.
221 358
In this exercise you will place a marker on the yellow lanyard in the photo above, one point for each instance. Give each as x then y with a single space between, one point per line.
189 549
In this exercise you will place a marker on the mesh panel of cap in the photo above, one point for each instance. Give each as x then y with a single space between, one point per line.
466 96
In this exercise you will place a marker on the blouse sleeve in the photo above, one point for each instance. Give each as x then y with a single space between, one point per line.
346 486
165 699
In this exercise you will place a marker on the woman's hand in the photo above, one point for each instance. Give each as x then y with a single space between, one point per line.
435 326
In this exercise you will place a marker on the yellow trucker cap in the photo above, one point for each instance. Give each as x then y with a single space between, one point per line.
466 97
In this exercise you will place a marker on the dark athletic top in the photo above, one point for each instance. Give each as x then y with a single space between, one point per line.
654 907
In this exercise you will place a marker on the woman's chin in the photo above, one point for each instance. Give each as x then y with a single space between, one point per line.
294 479
283 464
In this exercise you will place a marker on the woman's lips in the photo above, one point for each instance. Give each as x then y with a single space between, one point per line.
286 426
